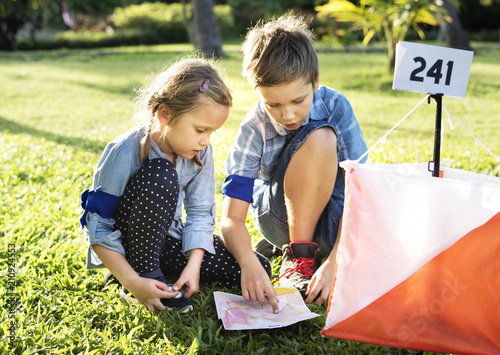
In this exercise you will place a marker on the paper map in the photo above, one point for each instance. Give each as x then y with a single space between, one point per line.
238 314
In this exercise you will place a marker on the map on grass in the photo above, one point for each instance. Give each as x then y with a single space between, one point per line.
238 314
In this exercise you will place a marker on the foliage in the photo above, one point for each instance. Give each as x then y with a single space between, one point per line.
37 13
58 109
96 39
225 21
478 15
484 35
390 20
98 8
165 21
147 23
248 12
20 7
13 15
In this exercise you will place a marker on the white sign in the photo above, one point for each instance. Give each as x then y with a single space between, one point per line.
432 69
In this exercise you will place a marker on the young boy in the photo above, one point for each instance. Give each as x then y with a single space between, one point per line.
284 164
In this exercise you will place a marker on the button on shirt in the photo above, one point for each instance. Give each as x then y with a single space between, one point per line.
120 161
260 141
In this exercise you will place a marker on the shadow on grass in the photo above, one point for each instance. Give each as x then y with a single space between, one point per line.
87 54
93 146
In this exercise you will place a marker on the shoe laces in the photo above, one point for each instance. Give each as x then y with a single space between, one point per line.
302 265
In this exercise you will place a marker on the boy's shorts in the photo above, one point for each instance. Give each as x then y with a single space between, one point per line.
269 210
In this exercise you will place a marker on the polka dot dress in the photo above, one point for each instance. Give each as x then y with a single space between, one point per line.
144 215
220 267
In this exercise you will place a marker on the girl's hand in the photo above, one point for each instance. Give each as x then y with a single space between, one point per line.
149 292
189 281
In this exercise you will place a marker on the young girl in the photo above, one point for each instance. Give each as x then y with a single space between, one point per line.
133 220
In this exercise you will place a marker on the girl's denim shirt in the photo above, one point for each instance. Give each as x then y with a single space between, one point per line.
119 162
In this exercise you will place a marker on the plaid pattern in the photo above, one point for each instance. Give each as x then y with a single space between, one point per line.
260 139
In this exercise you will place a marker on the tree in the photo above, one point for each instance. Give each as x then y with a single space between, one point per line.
453 31
13 16
390 20
202 28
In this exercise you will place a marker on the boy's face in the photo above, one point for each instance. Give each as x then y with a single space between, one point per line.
288 104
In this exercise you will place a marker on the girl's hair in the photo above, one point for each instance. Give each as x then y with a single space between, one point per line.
179 87
278 52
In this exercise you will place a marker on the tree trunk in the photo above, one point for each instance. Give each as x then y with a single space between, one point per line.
205 34
8 32
391 48
189 23
453 32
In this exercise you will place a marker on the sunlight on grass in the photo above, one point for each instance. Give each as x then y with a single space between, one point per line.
57 112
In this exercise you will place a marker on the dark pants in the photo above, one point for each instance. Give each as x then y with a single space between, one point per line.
145 213
269 210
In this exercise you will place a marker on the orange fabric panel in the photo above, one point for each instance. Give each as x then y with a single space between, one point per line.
452 304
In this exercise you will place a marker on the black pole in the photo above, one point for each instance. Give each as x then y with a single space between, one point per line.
437 134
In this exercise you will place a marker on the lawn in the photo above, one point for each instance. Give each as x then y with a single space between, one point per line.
57 112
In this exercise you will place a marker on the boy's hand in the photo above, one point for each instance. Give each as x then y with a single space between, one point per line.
255 283
256 286
321 283
322 280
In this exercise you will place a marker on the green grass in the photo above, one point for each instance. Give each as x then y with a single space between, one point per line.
58 110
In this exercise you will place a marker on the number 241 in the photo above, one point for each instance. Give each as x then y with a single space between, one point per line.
433 72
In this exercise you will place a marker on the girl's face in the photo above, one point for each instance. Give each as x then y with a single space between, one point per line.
288 104
190 133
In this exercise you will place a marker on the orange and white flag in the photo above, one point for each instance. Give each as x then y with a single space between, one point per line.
418 265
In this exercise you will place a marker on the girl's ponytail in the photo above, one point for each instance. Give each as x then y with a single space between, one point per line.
145 147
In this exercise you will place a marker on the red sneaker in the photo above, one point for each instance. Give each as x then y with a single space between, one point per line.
298 264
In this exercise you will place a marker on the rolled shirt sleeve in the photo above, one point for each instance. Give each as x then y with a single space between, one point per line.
98 230
239 187
246 160
100 202
259 142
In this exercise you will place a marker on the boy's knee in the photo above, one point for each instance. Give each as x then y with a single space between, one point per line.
322 140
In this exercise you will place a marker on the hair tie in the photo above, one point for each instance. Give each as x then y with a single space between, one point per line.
204 85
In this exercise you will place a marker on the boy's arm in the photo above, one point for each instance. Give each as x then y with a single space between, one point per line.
255 283
322 280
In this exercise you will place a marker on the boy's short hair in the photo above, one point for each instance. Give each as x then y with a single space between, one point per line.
278 52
